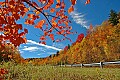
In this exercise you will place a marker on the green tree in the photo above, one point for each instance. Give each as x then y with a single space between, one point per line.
118 15
68 46
113 18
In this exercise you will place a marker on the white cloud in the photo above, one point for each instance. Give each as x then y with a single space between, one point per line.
59 45
39 49
79 18
51 53
31 49
21 52
42 49
39 54
46 46
25 46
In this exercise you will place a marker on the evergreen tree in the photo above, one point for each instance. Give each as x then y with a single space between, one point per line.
113 18
68 46
118 15
57 53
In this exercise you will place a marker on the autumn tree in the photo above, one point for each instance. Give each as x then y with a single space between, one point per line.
10 52
102 44
50 15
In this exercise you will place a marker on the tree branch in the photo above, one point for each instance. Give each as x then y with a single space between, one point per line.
46 17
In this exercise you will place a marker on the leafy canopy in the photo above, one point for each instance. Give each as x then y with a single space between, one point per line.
55 20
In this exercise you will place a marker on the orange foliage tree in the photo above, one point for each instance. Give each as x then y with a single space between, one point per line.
53 11
10 52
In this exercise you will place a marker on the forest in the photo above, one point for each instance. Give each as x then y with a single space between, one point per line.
102 43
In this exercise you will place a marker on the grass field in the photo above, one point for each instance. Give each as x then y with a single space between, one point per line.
30 72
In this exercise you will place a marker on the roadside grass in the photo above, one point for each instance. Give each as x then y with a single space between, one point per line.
47 72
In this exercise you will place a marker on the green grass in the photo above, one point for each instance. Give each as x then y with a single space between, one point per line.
30 72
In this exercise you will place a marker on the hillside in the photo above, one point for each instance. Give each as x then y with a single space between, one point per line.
102 43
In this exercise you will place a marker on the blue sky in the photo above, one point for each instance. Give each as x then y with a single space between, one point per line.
94 13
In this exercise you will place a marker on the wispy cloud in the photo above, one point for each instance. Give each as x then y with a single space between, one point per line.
39 50
46 46
31 49
21 52
38 54
25 46
79 18
59 45
51 53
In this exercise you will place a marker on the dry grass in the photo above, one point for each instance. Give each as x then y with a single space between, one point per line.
30 72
